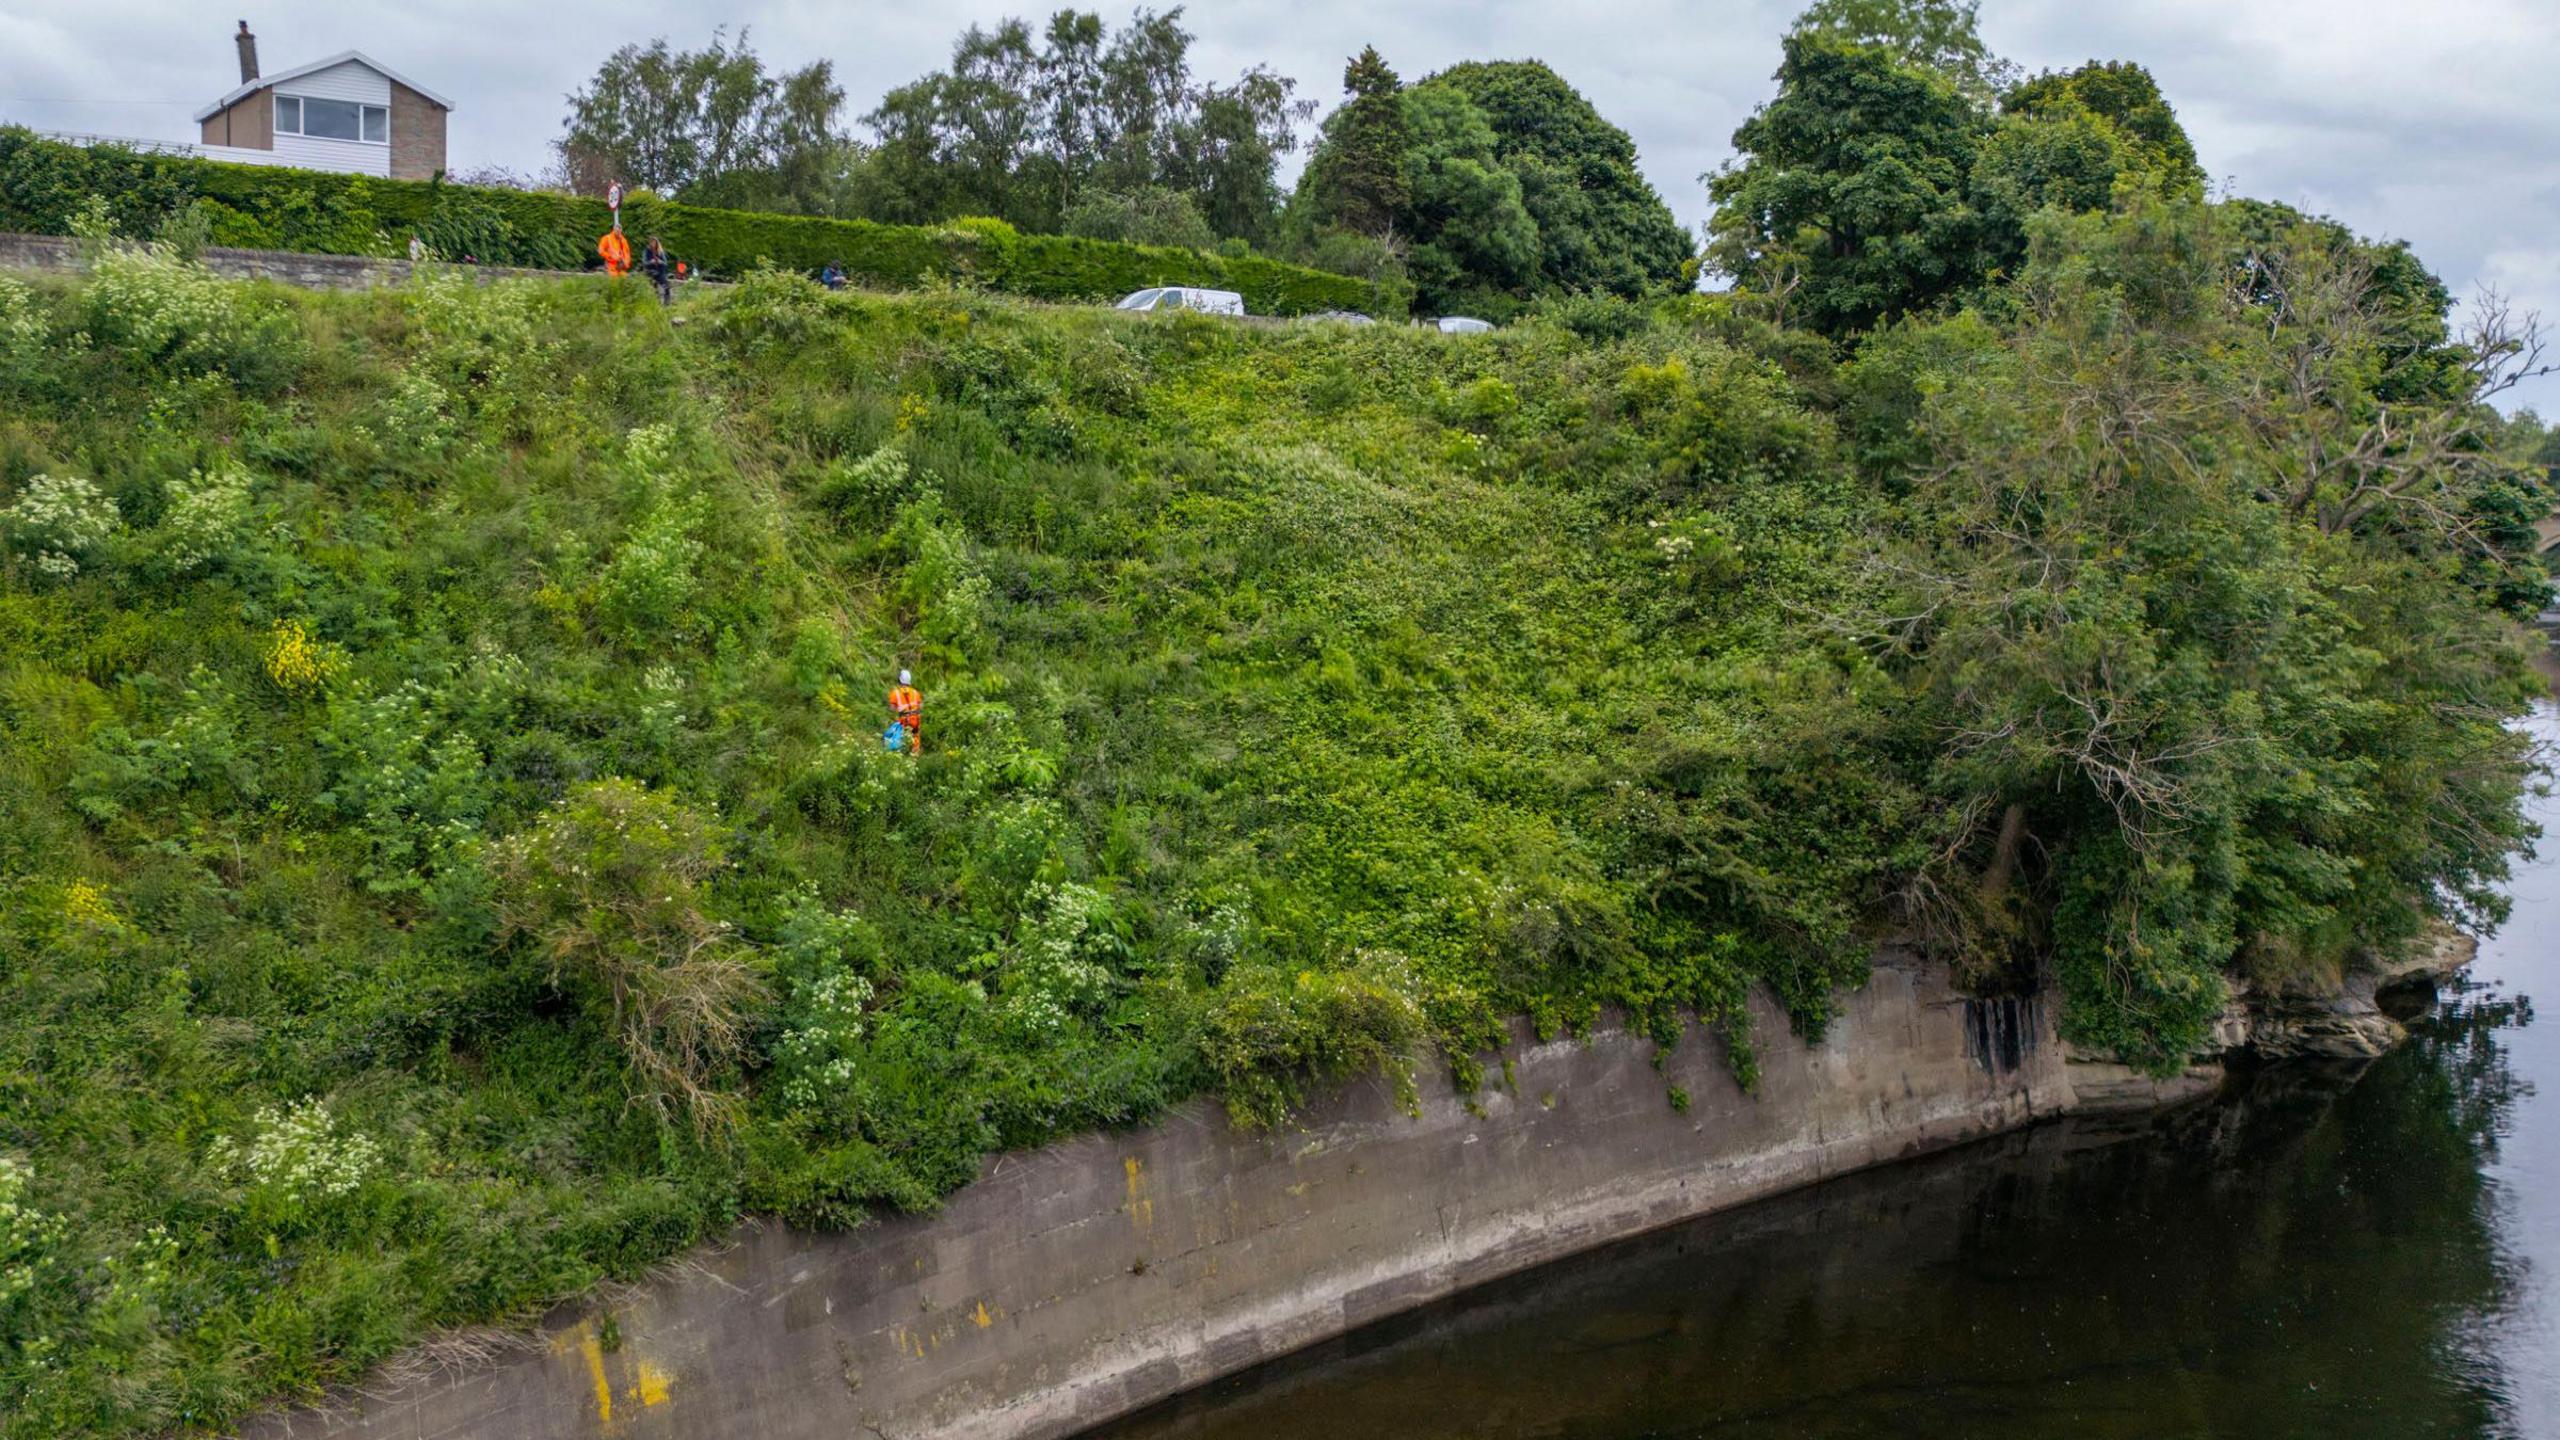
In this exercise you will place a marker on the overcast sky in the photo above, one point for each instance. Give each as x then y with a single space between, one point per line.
2426 120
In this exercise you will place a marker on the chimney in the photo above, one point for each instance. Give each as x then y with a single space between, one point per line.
248 44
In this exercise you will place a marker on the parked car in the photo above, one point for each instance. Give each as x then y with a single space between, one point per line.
1184 297
1463 325
1343 317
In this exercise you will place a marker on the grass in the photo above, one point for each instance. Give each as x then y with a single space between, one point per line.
1299 701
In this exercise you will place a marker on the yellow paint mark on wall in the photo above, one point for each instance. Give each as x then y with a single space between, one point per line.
1142 1211
593 1349
652 1387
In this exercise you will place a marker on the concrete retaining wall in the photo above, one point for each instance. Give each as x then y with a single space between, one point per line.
1079 1282
286 267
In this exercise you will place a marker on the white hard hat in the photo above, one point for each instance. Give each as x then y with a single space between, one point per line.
905 679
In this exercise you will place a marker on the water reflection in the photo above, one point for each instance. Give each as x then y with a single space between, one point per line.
2328 1253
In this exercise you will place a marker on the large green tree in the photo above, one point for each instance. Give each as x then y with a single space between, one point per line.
1027 128
1508 186
1601 226
711 125
1474 239
1940 35
1356 179
2193 617
1851 202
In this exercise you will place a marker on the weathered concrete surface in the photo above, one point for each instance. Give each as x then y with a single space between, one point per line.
286 267
1084 1280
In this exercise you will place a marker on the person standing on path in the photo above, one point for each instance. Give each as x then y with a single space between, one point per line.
654 260
906 705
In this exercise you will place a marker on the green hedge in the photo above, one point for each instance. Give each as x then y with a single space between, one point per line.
43 183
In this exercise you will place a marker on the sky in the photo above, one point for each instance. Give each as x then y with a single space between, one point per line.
2423 120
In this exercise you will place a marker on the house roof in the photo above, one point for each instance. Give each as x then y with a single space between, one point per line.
342 57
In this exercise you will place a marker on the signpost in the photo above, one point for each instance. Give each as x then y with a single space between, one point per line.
613 247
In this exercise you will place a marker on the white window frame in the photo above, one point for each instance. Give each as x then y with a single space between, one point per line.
364 112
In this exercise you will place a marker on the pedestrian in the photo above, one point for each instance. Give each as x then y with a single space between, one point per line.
906 709
833 276
654 260
615 247
417 249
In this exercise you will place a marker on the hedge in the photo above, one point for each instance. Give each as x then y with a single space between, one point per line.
44 183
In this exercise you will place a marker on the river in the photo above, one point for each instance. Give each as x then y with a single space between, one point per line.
2325 1252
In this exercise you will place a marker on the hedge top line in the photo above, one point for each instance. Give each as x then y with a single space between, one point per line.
44 183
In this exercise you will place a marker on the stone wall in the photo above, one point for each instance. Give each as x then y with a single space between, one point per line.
287 267
1081 1281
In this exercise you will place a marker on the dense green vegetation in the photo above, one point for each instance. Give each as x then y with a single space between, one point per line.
1484 188
45 186
448 853
1490 185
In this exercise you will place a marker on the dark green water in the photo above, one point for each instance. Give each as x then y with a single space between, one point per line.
2326 1253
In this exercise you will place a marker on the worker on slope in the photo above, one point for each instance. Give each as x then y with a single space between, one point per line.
616 250
906 707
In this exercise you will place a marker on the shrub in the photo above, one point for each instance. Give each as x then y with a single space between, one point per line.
298 664
296 1162
165 310
205 517
60 520
22 327
609 888
1270 1032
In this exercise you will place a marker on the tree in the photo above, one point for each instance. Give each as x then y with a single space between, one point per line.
1472 230
1939 35
1021 128
1851 203
2127 101
1356 181
1513 187
1600 225
2189 617
670 120
1151 216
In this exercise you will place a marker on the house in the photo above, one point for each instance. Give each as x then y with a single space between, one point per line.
349 113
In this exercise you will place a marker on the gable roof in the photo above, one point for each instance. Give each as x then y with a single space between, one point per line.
297 72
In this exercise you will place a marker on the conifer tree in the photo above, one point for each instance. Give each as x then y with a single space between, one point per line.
1364 186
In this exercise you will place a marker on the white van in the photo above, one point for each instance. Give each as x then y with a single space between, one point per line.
1184 297
1463 325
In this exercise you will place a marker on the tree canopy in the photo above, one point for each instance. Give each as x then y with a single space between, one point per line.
1852 202
710 125
1940 35
1876 184
1027 127
1510 186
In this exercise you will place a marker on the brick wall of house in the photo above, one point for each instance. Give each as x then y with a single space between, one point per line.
417 135
250 124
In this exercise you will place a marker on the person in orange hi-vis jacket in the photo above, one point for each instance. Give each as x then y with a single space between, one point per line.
906 704
616 251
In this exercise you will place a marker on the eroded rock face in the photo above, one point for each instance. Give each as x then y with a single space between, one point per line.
2359 1018
2351 1021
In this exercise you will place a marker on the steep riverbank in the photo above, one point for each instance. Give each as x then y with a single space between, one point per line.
1095 1277
1091 1278
2332 1248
